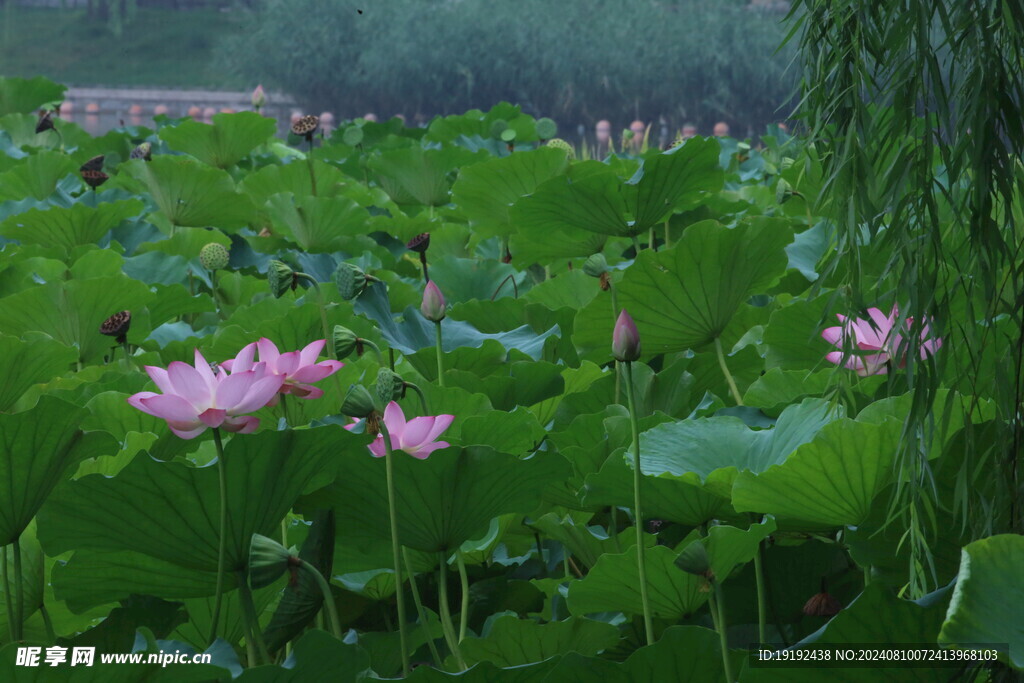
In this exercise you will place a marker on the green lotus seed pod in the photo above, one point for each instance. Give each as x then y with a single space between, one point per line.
390 386
596 265
345 342
214 256
559 143
546 128
350 279
358 402
280 277
268 560
498 126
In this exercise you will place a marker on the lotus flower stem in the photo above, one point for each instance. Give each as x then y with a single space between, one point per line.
650 238
440 354
8 602
127 353
422 397
322 303
666 233
51 635
419 608
759 576
389 457
641 561
222 474
423 262
464 608
329 606
309 159
725 371
618 367
718 604
284 414
446 615
252 622
636 245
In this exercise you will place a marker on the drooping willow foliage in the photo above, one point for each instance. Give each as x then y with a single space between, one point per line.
915 108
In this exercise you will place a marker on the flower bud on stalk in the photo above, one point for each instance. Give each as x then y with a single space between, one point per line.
625 339
433 306
259 98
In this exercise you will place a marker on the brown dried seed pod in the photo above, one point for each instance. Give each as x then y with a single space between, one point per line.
117 325
94 164
94 178
306 125
420 243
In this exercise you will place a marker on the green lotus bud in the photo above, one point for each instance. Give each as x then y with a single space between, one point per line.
281 278
694 560
358 402
559 143
783 191
390 386
350 279
268 560
214 256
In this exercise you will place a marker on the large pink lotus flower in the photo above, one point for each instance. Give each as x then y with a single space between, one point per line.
416 437
880 338
296 368
195 398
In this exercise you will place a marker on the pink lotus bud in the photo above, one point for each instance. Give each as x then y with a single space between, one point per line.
259 98
625 339
433 304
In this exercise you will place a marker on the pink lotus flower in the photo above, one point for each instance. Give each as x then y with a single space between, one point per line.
880 338
296 368
195 398
259 98
416 437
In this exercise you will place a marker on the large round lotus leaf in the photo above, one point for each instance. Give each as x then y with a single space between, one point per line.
189 193
444 500
513 642
67 228
35 177
23 95
224 143
987 597
686 296
32 360
832 480
39 448
613 586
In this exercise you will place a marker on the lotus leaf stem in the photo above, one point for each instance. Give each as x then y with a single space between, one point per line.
389 458
222 474
420 609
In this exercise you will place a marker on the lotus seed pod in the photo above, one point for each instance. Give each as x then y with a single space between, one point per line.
350 279
268 560
358 402
94 164
305 126
559 143
45 122
281 278
498 126
390 386
117 325
345 342
596 265
143 151
94 178
822 605
420 243
546 128
214 256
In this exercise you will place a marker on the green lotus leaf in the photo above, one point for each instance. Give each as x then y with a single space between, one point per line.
29 361
986 600
36 176
686 296
23 95
832 480
613 586
189 193
40 448
511 641
317 224
227 141
67 228
442 501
